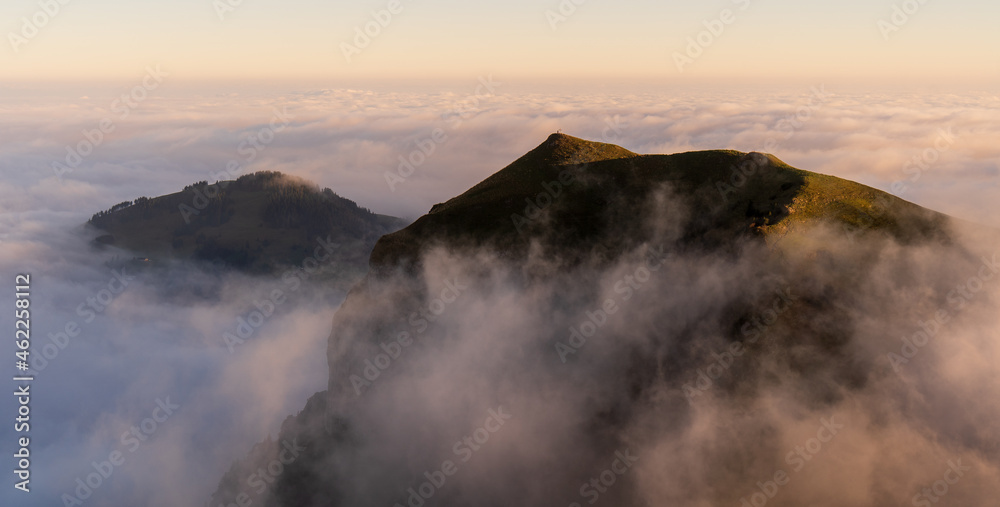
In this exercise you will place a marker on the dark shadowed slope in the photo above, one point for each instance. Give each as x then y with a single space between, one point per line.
260 223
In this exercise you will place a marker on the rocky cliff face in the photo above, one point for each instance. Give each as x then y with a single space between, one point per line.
589 324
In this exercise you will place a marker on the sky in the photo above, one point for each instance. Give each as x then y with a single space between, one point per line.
198 40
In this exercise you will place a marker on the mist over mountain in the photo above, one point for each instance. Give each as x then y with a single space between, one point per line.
589 325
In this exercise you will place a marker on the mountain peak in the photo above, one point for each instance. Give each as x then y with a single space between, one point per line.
541 164
561 149
566 187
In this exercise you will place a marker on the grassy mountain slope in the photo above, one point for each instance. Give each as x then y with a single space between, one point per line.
737 194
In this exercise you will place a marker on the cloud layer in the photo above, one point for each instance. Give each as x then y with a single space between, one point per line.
151 343
348 139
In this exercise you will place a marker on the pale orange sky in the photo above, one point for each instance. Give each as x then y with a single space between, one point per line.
953 41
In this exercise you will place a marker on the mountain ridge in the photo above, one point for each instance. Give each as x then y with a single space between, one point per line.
499 199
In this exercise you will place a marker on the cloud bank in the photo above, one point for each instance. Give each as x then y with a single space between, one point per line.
151 343
348 139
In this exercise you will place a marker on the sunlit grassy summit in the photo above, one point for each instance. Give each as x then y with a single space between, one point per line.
569 190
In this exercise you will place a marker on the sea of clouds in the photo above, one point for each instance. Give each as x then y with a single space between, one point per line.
158 339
